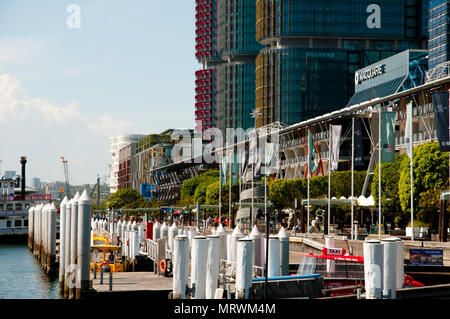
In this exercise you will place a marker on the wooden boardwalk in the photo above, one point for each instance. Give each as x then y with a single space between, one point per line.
132 282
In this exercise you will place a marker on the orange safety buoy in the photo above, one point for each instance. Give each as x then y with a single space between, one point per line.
163 265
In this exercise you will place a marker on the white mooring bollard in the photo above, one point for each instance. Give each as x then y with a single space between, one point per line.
331 265
212 268
389 268
244 268
180 266
373 269
274 257
284 251
84 249
235 236
199 262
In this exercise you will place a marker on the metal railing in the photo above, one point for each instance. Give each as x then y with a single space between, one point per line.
13 230
439 72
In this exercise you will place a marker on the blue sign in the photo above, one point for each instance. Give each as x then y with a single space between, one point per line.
426 257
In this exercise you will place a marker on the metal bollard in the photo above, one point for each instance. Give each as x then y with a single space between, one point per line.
101 276
110 280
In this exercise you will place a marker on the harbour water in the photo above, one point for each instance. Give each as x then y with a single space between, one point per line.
21 276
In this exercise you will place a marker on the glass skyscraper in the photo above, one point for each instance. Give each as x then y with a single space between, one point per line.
238 49
438 50
313 48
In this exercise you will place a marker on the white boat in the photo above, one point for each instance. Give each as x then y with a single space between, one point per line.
15 201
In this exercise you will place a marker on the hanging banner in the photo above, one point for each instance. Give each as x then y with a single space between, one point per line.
244 165
224 170
440 103
408 130
387 136
313 157
269 158
334 146
359 145
234 168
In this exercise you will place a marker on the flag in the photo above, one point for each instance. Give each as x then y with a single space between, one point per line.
244 163
223 170
335 131
387 136
359 145
268 158
408 130
313 157
440 103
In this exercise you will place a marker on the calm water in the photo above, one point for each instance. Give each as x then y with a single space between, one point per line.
21 276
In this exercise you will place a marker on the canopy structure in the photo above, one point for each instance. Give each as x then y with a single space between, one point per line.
366 201
324 202
361 201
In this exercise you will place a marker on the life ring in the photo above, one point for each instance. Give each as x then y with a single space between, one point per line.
163 265
104 264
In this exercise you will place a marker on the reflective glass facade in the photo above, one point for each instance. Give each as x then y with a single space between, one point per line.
236 95
438 32
236 28
238 48
313 49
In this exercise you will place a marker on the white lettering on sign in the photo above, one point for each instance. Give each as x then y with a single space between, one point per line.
374 19
334 251
364 75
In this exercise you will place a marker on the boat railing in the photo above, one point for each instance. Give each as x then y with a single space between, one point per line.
14 230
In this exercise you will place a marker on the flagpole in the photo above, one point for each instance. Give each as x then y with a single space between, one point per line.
308 168
412 196
379 173
329 180
229 193
353 174
220 187
409 150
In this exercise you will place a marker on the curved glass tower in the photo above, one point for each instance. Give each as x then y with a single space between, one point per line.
313 49
238 48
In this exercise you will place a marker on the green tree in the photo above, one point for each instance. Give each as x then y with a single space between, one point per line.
430 170
123 197
189 186
390 176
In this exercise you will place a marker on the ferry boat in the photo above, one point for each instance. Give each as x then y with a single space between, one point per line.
342 273
15 202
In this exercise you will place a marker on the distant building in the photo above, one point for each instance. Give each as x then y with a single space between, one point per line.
117 143
35 183
9 174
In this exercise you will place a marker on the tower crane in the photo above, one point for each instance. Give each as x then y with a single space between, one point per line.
66 175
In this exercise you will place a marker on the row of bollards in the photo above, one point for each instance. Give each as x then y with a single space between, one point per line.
42 234
383 268
243 253
75 250
74 242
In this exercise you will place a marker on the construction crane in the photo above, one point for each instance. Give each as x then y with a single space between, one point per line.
66 175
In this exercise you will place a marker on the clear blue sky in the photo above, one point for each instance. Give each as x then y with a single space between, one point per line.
63 92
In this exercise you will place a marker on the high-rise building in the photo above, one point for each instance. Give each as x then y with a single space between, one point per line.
207 55
227 49
238 48
313 48
438 49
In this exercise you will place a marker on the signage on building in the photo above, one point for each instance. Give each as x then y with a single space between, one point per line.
426 257
370 73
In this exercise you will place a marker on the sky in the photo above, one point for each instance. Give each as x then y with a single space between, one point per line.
72 78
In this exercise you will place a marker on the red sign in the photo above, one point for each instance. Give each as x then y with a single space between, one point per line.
334 251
